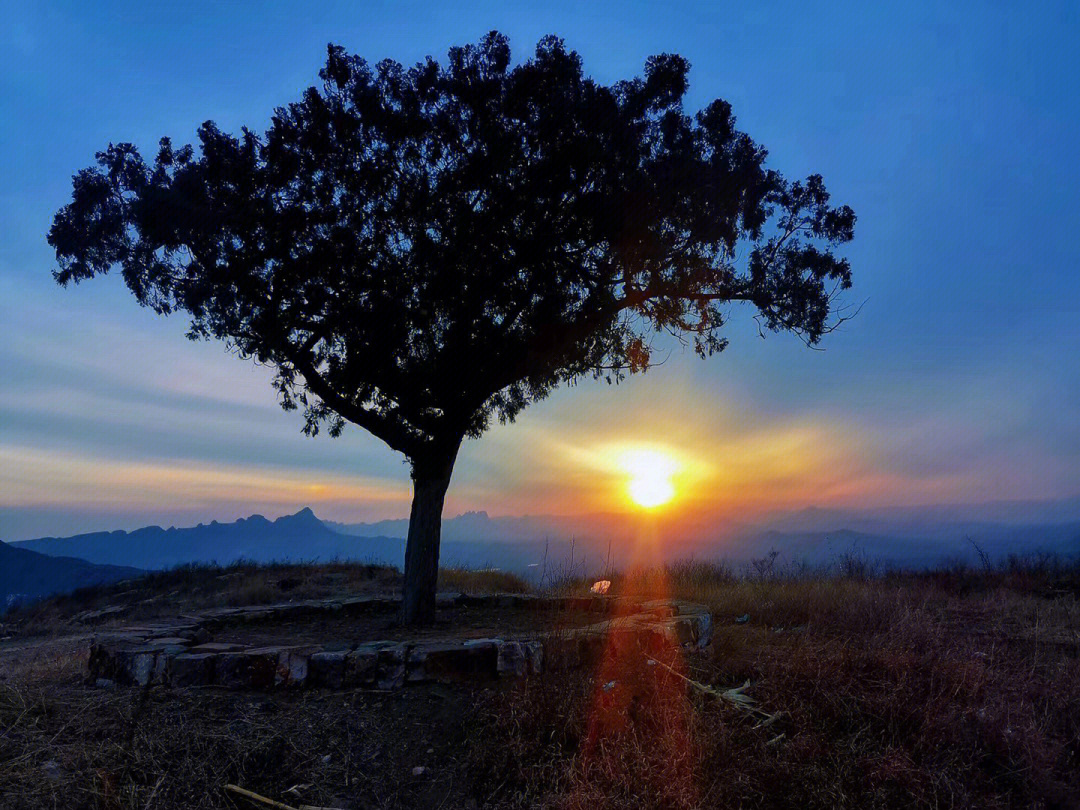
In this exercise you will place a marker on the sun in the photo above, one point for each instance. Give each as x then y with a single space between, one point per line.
650 491
649 477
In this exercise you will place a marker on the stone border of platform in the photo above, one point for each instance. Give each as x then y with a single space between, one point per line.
183 653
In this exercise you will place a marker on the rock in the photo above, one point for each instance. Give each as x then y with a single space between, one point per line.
191 669
171 631
292 669
511 659
142 667
183 654
106 613
390 672
361 666
327 668
93 617
356 605
561 653
624 637
169 646
446 600
662 608
248 669
453 660
534 655
419 770
703 628
742 619
200 635
216 647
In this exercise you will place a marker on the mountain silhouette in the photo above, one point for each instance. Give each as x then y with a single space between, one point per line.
300 537
533 545
26 575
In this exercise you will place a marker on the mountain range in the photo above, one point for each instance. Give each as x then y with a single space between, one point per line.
910 536
531 545
26 575
300 537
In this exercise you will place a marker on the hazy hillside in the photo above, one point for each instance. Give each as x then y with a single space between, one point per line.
536 545
479 527
907 537
299 537
27 575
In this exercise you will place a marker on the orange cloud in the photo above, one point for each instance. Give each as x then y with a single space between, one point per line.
32 477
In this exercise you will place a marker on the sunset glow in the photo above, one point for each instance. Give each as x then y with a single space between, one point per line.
650 477
110 419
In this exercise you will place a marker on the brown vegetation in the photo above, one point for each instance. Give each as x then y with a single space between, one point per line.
959 688
197 587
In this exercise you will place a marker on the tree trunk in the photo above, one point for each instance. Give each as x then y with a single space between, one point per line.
422 548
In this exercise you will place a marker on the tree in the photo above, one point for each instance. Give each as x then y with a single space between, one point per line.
419 251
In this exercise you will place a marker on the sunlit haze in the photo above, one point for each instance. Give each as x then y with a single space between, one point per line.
650 475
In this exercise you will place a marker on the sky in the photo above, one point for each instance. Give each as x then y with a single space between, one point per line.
951 129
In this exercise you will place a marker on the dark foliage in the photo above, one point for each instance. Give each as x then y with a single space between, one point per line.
421 250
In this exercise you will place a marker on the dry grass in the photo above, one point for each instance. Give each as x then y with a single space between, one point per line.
949 689
481 580
70 747
195 587
953 689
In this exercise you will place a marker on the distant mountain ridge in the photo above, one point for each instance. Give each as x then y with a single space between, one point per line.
894 536
471 527
535 545
299 537
26 575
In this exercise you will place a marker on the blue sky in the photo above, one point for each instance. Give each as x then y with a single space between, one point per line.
951 129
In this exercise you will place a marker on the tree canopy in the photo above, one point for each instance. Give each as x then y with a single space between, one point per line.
420 250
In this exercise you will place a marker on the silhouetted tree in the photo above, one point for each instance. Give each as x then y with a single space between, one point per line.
420 250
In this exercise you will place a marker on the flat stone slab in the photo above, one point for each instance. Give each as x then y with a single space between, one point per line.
184 655
106 613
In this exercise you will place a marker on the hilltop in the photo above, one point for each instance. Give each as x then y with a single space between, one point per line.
26 575
957 687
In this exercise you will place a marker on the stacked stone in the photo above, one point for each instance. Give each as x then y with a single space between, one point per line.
182 655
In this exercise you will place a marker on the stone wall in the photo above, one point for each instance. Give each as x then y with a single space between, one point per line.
183 653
